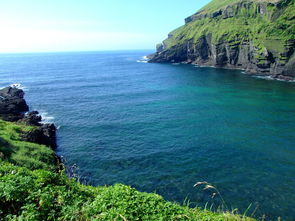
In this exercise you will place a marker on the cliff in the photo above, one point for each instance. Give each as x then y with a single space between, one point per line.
12 104
14 108
255 35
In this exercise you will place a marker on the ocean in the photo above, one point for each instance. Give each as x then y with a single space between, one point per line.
162 128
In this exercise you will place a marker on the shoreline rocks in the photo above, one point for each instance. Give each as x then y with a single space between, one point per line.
14 108
238 45
31 118
226 55
12 104
44 134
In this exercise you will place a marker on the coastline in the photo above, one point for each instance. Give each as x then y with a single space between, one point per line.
266 76
34 185
14 108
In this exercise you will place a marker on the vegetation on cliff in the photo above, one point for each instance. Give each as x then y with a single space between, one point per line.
259 22
32 187
258 35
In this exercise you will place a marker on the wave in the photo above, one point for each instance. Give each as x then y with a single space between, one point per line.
46 118
273 78
143 59
19 86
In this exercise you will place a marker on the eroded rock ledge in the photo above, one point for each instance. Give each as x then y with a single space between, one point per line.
255 51
14 108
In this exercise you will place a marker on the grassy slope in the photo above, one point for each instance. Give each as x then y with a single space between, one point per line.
215 5
31 189
269 31
21 153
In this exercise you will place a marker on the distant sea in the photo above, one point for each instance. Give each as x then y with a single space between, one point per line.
162 127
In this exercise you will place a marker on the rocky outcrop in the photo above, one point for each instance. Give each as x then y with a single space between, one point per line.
234 9
44 134
13 107
229 55
31 118
238 52
12 104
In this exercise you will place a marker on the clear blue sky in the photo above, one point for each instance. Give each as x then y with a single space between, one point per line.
83 25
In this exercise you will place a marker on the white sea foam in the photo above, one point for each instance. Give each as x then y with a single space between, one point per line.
143 59
265 77
272 78
19 86
46 118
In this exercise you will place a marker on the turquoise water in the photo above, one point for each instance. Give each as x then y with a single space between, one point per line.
162 128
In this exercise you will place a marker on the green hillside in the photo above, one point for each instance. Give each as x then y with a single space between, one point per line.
218 4
270 30
32 188
255 35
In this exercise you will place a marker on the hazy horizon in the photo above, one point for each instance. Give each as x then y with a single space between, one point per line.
78 51
55 26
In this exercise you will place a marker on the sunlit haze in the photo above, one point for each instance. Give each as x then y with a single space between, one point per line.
89 25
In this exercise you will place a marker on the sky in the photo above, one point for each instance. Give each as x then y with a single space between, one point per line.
89 25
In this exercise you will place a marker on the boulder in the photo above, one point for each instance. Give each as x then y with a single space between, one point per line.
12 104
31 118
44 134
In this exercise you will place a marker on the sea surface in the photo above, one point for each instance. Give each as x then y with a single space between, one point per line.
163 127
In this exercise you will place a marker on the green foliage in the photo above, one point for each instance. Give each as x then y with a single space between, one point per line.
216 5
31 188
30 155
276 25
45 195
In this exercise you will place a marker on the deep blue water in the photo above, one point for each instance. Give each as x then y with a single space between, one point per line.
162 128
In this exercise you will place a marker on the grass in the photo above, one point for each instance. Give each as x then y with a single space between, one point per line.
276 26
30 155
218 4
31 188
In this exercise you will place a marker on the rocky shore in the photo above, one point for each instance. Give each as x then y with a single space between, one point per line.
255 36
13 108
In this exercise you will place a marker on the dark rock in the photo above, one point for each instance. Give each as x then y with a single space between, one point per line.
160 47
13 107
228 12
45 134
12 104
216 14
284 77
241 55
198 16
32 118
188 19
239 51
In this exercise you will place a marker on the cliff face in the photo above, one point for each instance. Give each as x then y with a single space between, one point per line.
255 35
14 108
12 104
